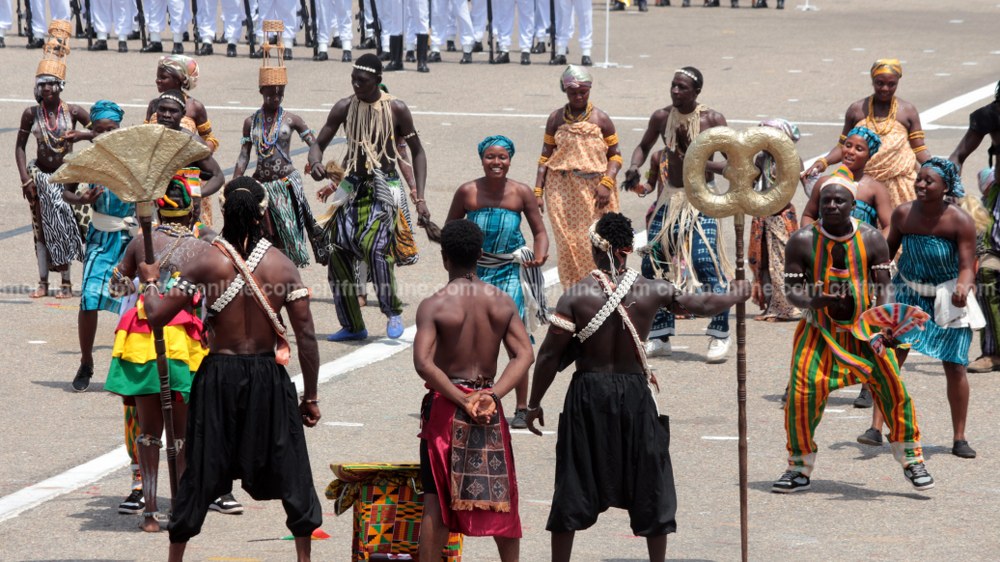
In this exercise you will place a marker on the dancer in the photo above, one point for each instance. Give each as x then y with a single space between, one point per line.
55 230
266 450
169 112
612 448
269 132
576 172
133 373
837 268
939 244
896 122
984 122
461 413
688 239
768 237
496 204
364 227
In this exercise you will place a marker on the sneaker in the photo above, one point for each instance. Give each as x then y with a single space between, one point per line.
658 348
134 504
227 504
81 382
871 436
917 474
520 420
864 399
963 450
790 481
718 348
394 328
346 335
984 364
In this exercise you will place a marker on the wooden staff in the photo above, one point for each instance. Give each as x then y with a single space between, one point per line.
741 149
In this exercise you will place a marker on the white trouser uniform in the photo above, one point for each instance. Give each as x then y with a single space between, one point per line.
334 19
234 16
284 10
6 16
58 10
402 10
343 23
208 12
503 22
453 12
543 17
477 12
156 18
102 15
584 12
325 21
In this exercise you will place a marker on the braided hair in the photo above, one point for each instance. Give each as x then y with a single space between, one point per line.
242 210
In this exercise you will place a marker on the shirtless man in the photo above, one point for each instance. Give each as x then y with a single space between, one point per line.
982 122
248 351
603 456
459 332
269 133
695 243
169 112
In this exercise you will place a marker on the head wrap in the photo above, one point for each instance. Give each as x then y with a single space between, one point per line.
785 126
47 79
949 173
874 141
369 63
105 109
575 77
887 66
844 172
847 184
175 96
170 208
185 67
497 140
987 177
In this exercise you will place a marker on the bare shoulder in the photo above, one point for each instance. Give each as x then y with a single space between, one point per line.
713 118
856 111
901 212
520 188
803 235
399 107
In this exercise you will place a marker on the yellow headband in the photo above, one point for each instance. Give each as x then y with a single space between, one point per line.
887 66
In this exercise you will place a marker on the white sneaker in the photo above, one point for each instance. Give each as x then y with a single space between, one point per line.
718 348
658 348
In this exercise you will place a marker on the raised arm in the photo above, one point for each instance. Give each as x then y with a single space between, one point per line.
811 211
710 304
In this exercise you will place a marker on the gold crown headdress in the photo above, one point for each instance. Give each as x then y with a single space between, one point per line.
273 74
56 50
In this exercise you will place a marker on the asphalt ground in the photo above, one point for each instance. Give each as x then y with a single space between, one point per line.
804 66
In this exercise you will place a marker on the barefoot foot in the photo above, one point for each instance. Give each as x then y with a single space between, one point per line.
149 523
41 291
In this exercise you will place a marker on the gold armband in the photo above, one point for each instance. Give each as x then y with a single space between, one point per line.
608 182
539 191
205 128
916 135
823 160
919 149
549 139
616 158
542 160
842 139
611 140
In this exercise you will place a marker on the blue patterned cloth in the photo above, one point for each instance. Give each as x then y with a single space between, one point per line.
502 235
865 212
104 251
931 260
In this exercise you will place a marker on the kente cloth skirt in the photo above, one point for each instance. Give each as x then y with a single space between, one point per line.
613 451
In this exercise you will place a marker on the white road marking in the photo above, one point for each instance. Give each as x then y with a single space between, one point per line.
37 342
835 411
956 103
527 432
344 424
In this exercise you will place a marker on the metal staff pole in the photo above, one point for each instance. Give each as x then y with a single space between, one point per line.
362 28
142 22
552 29
194 23
251 37
607 38
90 25
489 25
376 28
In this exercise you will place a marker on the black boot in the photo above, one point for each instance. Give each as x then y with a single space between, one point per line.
781 4
423 45
395 54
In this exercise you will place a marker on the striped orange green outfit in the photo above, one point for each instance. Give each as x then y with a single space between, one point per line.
829 354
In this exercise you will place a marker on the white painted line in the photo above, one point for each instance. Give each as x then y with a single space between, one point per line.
834 411
956 21
928 50
794 71
942 74
643 56
728 57
74 478
827 60
859 49
37 342
970 63
719 438
527 432
954 104
344 424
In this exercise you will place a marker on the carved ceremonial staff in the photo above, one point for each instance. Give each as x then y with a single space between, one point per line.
136 164
740 149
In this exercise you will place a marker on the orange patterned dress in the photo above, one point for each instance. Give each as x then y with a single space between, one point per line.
894 164
574 172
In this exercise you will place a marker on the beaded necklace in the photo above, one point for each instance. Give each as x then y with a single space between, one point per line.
581 118
468 277
50 135
266 140
175 231
886 124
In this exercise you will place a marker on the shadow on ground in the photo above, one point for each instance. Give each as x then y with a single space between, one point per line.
65 385
844 491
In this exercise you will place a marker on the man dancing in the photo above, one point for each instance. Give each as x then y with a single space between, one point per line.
687 238
364 227
266 450
269 132
461 416
832 267
612 448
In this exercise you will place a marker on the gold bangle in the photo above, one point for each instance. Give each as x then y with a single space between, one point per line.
916 135
611 139
825 163
539 191
616 158
842 139
607 182
549 139
920 148
542 160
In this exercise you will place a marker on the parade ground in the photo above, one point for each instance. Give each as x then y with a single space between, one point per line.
63 468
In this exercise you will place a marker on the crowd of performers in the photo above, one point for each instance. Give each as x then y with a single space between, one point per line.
883 196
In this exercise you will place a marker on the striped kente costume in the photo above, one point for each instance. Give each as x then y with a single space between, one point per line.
829 354
988 275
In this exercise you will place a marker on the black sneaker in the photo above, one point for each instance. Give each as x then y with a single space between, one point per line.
122 47
520 420
368 43
204 50
502 58
963 450
134 504
81 382
917 474
288 54
864 399
36 43
178 49
790 481
346 57
227 504
321 56
337 43
871 436
538 48
152 47
99 45
477 47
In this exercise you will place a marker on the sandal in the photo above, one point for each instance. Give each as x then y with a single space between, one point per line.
65 291
41 291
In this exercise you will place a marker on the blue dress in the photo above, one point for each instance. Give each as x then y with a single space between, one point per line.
931 260
866 213
104 251
502 230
